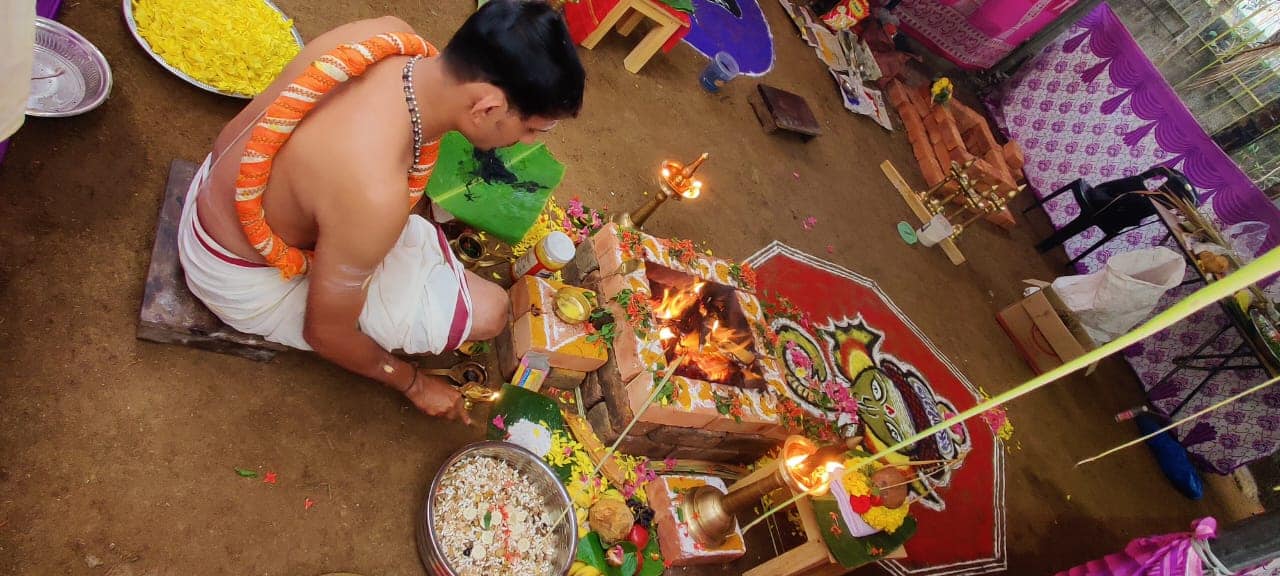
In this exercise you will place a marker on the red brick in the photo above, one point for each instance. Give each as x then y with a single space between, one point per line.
911 122
966 117
898 94
951 136
943 156
675 436
613 389
643 446
670 415
932 173
712 454
592 393
1003 219
607 250
922 103
668 527
1014 158
960 156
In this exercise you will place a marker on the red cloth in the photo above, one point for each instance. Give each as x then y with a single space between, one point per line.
584 17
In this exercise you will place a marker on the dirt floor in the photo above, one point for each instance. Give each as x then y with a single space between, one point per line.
116 456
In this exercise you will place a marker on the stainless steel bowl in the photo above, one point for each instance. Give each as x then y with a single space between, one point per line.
556 500
69 75
133 29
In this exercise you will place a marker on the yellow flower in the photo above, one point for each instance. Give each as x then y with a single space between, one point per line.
886 519
237 46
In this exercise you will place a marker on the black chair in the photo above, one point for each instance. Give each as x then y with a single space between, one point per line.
1115 207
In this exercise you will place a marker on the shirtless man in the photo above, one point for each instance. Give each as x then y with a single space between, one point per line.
316 242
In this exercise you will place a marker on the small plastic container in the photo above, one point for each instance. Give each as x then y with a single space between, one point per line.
547 257
722 69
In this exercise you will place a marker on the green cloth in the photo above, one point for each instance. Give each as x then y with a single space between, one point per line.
506 210
852 552
685 6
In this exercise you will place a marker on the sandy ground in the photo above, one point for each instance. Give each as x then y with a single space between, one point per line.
116 456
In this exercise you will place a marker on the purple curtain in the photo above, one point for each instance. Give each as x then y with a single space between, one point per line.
1093 106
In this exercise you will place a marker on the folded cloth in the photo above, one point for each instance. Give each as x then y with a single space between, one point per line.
417 299
17 36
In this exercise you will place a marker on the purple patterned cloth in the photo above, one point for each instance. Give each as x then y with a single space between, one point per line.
1093 106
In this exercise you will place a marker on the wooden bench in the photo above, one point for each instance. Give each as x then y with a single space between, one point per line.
171 314
669 21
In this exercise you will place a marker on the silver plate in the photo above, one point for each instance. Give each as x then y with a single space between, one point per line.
69 76
133 29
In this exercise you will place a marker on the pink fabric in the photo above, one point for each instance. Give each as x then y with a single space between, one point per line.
1165 555
976 34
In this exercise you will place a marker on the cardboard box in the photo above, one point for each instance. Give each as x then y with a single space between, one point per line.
1045 335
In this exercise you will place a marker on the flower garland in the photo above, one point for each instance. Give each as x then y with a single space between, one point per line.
729 403
779 306
865 499
683 251
744 275
630 243
795 420
637 309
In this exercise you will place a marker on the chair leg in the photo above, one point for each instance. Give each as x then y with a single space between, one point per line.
1051 196
1080 224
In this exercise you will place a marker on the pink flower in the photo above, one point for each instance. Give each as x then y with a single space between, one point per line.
270 478
628 490
575 208
670 462
810 222
308 503
499 422
995 418
831 249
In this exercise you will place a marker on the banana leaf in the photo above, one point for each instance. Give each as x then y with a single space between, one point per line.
501 192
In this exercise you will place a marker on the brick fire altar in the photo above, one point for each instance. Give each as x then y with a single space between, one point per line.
671 301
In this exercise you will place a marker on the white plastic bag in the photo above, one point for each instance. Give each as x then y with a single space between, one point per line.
1110 302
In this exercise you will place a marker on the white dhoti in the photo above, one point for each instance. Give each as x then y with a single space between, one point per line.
417 299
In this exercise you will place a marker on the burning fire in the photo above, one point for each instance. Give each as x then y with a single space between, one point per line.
691 326
817 478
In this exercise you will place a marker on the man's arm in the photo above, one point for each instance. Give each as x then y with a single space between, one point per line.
355 235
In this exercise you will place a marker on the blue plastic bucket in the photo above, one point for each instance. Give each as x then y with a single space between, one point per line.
721 70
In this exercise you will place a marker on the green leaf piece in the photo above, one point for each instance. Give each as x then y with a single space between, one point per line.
505 209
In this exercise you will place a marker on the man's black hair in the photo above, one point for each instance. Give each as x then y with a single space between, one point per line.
522 47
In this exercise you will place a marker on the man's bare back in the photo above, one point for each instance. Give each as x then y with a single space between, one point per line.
339 187
324 154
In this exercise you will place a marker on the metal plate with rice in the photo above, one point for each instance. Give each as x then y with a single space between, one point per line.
552 501
133 29
69 76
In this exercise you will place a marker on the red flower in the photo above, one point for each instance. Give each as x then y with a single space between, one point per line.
270 478
860 504
308 503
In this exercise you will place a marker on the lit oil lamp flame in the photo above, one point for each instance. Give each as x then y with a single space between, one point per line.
666 333
694 190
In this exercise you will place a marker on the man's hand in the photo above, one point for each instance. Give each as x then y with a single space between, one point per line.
435 396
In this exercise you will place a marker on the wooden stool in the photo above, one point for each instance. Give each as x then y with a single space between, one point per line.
171 314
668 25
778 109
809 559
